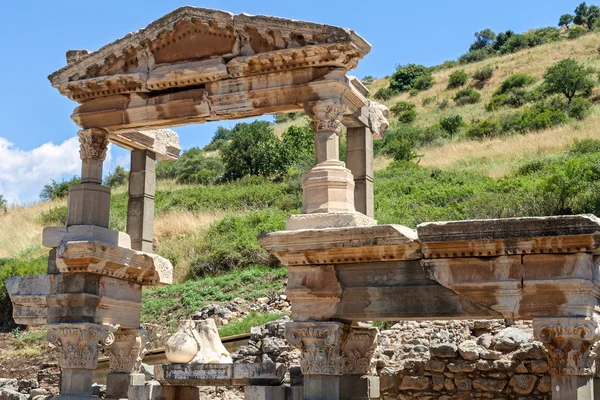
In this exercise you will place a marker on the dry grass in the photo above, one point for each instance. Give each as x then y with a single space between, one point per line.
24 352
21 230
177 223
499 156
381 162
280 129
532 61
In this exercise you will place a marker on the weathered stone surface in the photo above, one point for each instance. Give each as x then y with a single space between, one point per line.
414 383
220 374
162 142
469 350
489 385
52 236
510 338
444 350
197 342
9 394
523 384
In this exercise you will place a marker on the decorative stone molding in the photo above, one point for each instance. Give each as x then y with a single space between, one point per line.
93 144
127 351
78 343
320 344
571 343
332 348
358 350
325 114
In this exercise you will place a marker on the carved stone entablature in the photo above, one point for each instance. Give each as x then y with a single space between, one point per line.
326 114
358 349
193 35
93 144
320 344
333 348
572 344
127 351
78 343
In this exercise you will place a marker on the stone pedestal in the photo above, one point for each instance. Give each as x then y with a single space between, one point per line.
572 345
334 356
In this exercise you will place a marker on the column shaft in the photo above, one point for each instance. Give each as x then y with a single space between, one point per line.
359 151
140 209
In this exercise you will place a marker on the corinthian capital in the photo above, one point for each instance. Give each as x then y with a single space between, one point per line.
93 144
127 351
358 349
325 114
571 343
78 343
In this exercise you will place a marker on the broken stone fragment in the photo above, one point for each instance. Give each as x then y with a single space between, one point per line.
197 342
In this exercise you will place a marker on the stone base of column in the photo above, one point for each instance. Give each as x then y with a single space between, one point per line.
322 387
117 384
573 388
154 391
356 387
76 383
328 220
264 393
328 188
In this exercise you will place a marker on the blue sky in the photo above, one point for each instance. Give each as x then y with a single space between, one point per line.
37 140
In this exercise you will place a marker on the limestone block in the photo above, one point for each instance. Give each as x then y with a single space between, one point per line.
378 114
28 295
328 220
89 204
264 393
258 374
343 245
119 262
162 142
197 342
53 235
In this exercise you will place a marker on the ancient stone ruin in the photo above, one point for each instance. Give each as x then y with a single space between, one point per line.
196 65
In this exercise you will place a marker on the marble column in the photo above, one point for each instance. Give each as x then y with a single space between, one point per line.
89 202
572 345
140 209
78 345
125 355
336 358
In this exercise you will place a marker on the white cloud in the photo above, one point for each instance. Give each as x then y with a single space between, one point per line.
23 173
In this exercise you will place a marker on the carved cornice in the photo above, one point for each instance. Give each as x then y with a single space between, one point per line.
332 348
127 351
571 343
78 343
93 144
326 114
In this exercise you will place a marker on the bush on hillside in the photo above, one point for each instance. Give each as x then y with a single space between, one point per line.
404 111
400 143
451 124
193 167
406 75
576 33
442 105
584 146
58 190
483 130
427 101
484 73
457 78
424 82
570 78
56 216
384 94
513 82
431 135
542 115
579 108
118 177
474 56
466 96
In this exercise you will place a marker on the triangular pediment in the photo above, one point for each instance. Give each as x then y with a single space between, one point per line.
205 45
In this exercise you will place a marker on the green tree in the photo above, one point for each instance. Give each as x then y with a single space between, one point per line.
221 136
483 39
501 39
3 204
58 190
298 145
565 20
116 178
406 75
568 77
253 150
581 12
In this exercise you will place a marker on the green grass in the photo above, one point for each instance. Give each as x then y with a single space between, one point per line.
243 325
179 301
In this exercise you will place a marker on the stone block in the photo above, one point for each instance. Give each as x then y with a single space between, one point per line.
257 374
154 391
328 220
294 393
359 387
264 393
29 296
89 204
52 236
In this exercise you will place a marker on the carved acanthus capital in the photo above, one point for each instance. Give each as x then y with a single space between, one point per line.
127 351
325 114
333 348
93 144
358 349
571 343
78 343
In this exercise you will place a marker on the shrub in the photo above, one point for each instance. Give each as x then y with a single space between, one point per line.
585 146
222 136
451 124
431 135
518 97
483 74
406 75
483 130
400 143
3 204
467 96
193 167
405 112
116 178
442 105
515 43
384 94
413 92
496 102
541 115
474 56
457 78
424 82
427 101
514 81
568 77
58 190
576 33
547 34
579 108
56 216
